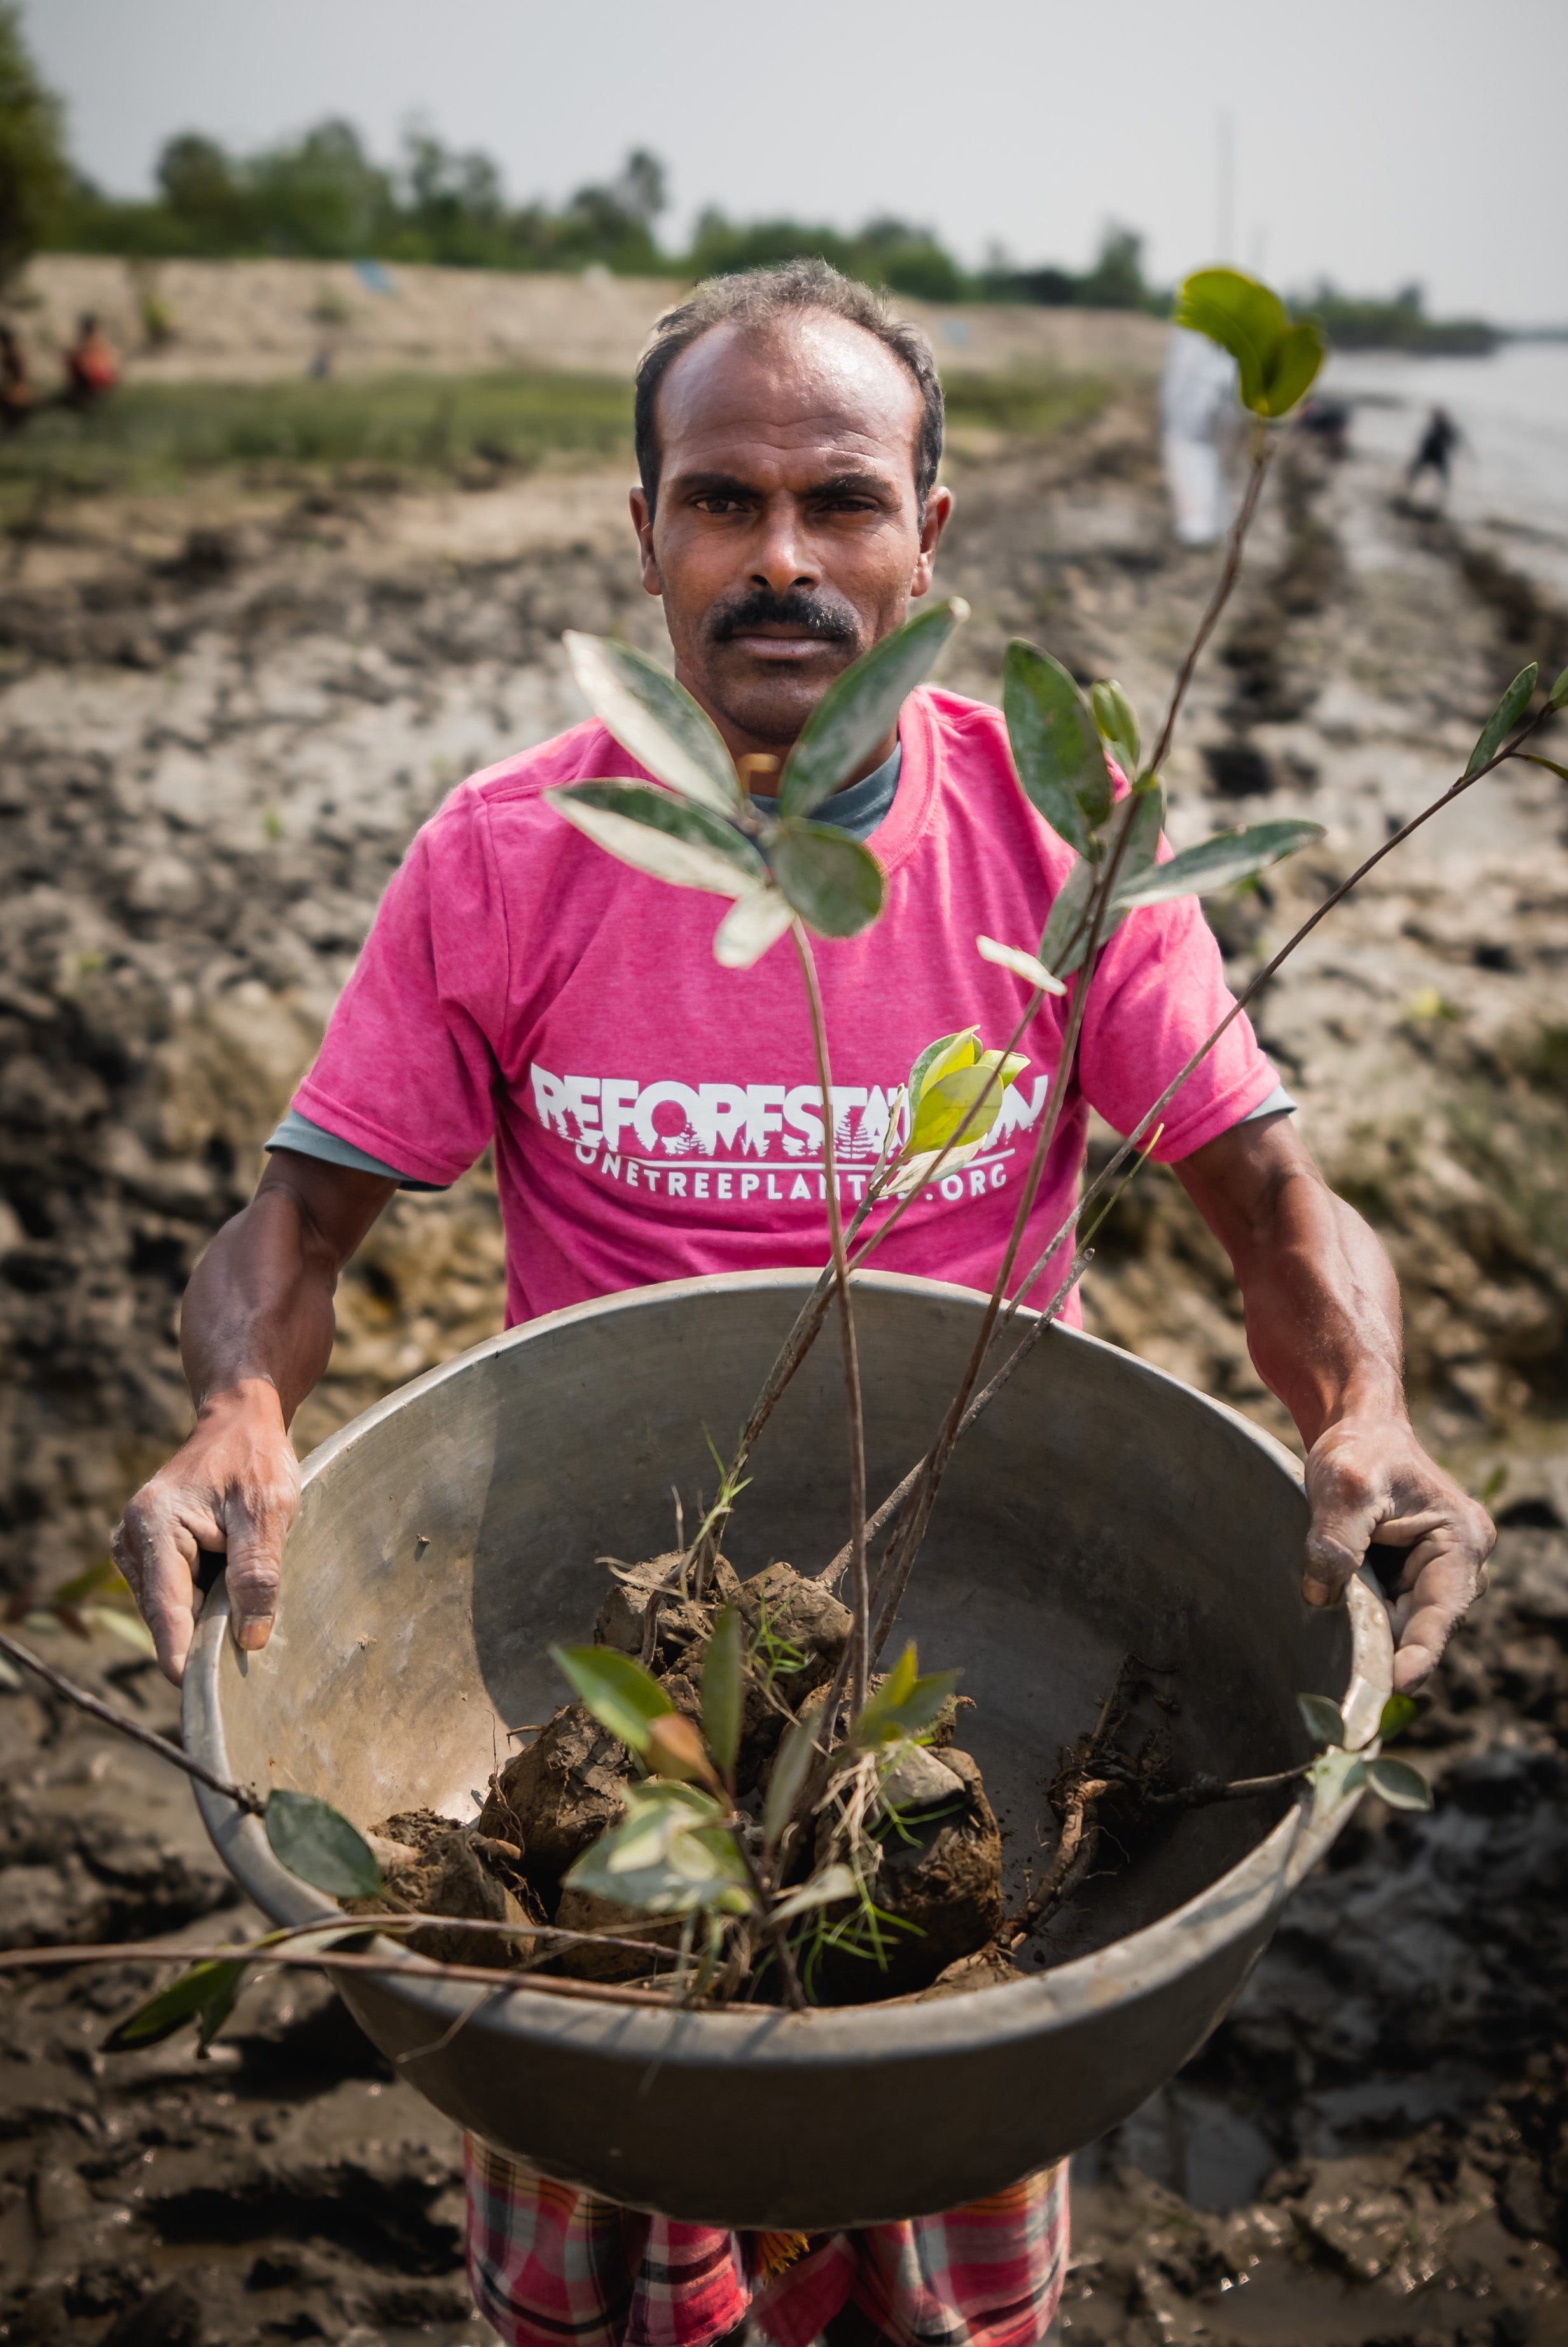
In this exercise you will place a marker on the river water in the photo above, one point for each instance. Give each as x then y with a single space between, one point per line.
1510 473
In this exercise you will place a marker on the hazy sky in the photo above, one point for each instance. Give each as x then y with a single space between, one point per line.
1375 140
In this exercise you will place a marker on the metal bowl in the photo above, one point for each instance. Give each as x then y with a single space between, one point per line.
1100 1508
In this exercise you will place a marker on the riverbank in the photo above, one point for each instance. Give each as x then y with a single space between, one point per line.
221 717
259 320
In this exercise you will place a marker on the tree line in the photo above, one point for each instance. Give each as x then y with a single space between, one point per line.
323 197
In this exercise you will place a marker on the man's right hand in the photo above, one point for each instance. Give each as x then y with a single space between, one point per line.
234 1485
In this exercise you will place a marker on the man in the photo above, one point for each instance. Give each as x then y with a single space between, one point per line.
92 370
653 1116
1440 435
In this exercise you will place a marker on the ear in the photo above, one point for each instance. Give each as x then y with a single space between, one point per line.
642 523
939 508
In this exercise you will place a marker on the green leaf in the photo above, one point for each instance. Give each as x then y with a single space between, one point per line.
1293 369
1549 763
723 1688
1396 1716
751 926
971 1095
672 1856
789 1775
859 706
317 1842
1503 720
621 1696
130 1627
1055 746
1117 725
1558 696
834 884
938 1058
1334 1776
1245 318
1027 965
98 1579
905 1704
1402 1787
1145 820
1325 1721
656 719
1065 939
669 839
205 1994
1217 863
834 1882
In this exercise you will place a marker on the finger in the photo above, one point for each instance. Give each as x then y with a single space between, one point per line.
155 1551
1421 1647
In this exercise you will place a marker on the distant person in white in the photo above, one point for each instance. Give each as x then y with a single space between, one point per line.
1197 409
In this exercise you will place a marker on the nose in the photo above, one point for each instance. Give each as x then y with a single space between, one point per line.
781 557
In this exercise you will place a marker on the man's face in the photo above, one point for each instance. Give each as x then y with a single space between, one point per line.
786 539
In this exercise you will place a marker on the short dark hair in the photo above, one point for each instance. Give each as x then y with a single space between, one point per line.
759 298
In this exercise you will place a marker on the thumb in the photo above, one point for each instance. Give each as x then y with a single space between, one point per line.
1346 1510
255 1544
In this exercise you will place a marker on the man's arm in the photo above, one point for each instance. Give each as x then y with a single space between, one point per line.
1323 1326
255 1334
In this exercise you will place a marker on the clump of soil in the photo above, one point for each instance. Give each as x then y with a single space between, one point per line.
939 1874
559 1793
443 1872
940 1877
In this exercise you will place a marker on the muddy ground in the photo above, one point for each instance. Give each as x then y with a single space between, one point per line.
218 728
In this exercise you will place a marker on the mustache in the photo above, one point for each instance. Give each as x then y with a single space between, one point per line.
826 616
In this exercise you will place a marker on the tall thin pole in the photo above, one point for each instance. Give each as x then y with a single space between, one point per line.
1225 185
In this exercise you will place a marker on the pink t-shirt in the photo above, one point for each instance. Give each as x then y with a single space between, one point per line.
655 1116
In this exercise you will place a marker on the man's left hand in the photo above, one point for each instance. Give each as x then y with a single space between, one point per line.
1369 1479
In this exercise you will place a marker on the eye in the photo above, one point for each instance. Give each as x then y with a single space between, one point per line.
717 502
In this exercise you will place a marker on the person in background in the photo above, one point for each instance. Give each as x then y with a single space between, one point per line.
17 396
92 367
1437 445
1326 422
1197 412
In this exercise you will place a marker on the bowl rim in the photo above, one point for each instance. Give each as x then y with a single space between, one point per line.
1237 1904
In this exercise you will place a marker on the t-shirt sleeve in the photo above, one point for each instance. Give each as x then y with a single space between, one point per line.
1159 992
407 1067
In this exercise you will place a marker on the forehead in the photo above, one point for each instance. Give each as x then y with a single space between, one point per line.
801 388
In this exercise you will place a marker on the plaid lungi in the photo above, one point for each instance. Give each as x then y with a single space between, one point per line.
553 2267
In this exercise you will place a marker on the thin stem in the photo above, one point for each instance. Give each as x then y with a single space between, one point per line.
1263 450
912 1531
329 1959
832 1571
777 1932
860 1594
109 1717
1254 986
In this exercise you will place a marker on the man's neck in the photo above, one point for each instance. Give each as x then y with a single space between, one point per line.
742 744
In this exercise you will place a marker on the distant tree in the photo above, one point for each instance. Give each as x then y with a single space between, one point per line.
886 251
205 195
452 207
1116 279
323 197
641 191
35 179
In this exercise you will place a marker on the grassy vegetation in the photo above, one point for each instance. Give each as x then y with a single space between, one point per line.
1031 406
157 436
413 428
